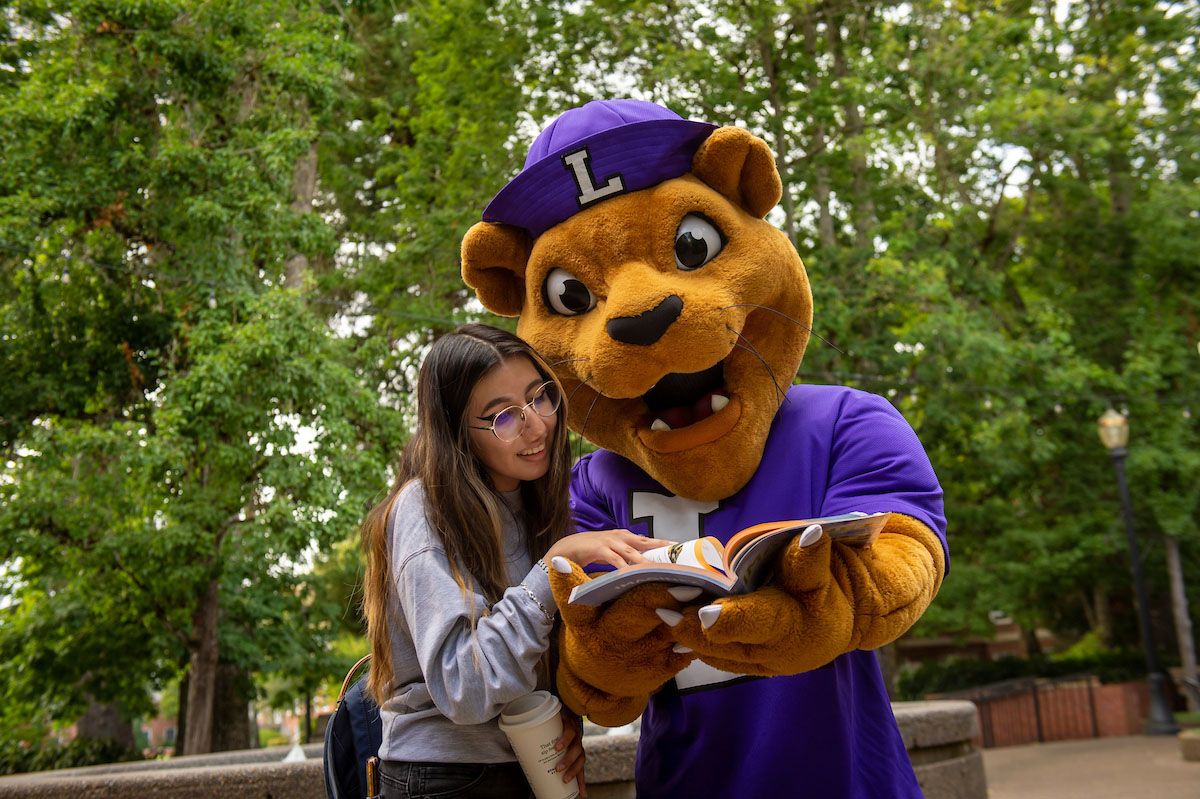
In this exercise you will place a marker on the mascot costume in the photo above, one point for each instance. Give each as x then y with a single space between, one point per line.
634 249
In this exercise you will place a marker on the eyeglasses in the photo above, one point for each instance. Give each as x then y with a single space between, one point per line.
508 424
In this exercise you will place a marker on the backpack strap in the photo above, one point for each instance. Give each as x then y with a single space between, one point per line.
350 676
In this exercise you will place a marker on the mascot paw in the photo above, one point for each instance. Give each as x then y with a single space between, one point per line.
785 628
607 710
623 650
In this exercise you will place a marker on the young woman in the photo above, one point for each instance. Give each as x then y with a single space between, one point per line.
457 597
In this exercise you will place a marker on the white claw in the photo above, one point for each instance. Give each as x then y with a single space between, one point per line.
660 425
709 615
561 565
811 535
719 402
684 593
680 649
670 617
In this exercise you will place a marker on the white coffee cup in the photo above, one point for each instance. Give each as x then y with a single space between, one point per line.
533 725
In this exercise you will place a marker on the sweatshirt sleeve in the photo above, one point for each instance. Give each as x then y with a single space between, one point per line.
470 674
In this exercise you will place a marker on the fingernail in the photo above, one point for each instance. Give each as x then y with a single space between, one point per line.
680 649
669 616
684 593
811 535
561 565
709 615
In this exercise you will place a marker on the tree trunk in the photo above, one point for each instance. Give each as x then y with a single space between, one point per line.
105 722
304 188
231 709
1183 625
863 209
1104 622
1033 646
181 720
202 673
821 182
306 736
782 147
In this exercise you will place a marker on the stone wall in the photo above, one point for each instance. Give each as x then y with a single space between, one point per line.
938 735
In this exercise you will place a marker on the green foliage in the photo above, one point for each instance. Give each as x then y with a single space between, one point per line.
268 737
962 673
1088 646
172 417
17 757
422 144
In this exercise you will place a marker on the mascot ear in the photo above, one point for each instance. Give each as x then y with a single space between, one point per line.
740 166
493 263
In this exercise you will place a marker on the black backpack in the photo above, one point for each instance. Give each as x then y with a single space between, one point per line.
352 740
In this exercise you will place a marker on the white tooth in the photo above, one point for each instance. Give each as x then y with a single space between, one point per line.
660 425
719 402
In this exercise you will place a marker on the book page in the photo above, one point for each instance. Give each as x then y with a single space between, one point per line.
610 585
754 559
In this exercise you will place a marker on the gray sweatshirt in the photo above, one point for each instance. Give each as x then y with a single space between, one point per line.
449 684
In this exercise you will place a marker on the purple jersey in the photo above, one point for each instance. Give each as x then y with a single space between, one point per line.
824 733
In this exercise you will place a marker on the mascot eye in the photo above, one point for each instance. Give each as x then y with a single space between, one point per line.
697 241
566 294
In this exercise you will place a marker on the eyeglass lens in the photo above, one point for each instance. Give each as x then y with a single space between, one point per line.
510 422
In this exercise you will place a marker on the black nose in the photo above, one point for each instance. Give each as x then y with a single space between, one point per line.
648 327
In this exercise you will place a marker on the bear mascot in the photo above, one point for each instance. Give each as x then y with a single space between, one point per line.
634 249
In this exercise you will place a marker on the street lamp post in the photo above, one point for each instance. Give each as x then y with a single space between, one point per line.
1114 432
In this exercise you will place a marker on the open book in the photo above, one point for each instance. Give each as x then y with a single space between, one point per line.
741 565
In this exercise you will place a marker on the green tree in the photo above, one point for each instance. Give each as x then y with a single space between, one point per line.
181 433
418 151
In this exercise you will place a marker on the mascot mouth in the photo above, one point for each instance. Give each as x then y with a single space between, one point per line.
688 410
679 400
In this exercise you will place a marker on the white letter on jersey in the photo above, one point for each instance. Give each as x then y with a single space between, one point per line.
670 517
588 193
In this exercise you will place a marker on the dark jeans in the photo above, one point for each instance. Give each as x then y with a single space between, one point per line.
406 780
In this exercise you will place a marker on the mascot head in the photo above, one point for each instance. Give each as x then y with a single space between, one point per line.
634 249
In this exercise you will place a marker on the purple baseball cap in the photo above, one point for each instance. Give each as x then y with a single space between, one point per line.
603 149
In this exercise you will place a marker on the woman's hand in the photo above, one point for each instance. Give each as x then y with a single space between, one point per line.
613 547
571 743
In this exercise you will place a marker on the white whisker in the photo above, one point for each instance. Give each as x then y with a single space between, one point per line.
750 348
785 316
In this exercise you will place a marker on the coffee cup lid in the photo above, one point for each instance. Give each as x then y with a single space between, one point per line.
533 708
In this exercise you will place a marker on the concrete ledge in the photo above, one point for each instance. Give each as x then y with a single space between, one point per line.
610 758
954 778
934 723
937 735
271 754
1189 744
300 780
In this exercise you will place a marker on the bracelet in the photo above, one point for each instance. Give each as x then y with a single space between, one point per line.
541 564
538 602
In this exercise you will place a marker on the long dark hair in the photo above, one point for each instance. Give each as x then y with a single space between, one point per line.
461 503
